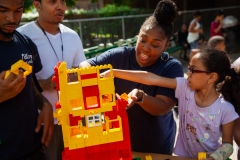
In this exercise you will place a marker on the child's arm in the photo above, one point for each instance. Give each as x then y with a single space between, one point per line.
237 135
144 77
226 149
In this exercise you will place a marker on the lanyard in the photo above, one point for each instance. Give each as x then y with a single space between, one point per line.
50 41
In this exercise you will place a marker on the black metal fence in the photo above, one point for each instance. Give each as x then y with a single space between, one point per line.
94 31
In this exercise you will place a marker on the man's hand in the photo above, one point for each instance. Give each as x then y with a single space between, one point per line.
45 117
11 86
47 84
221 23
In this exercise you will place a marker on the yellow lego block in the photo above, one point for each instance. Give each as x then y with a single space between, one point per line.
89 82
80 145
16 66
148 157
96 142
103 140
124 96
202 155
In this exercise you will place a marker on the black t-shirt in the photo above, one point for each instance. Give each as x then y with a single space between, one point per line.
153 134
182 37
18 115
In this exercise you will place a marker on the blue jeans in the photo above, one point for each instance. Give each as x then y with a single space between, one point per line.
193 44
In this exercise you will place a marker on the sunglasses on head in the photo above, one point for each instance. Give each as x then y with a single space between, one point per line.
192 70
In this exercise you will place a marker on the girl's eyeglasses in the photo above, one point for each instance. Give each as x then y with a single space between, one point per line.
192 70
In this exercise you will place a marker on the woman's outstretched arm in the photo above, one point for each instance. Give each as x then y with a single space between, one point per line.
146 78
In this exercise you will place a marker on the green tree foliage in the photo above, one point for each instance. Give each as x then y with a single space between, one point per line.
146 4
28 5
119 2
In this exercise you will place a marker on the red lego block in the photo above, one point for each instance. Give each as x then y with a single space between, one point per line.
98 156
125 153
89 76
104 147
57 105
105 155
75 154
89 150
55 78
74 120
91 91
96 148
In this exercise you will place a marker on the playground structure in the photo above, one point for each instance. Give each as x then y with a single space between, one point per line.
94 122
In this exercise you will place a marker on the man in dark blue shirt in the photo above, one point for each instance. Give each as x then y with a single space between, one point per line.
21 135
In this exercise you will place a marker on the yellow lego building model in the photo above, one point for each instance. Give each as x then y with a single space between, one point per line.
19 65
94 123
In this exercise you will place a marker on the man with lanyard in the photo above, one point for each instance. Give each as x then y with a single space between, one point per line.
55 43
20 124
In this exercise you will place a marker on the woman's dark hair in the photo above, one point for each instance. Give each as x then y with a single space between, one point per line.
163 17
218 61
197 13
219 13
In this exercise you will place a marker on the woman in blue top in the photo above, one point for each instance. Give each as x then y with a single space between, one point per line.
152 127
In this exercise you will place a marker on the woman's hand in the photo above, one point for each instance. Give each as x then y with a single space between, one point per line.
134 95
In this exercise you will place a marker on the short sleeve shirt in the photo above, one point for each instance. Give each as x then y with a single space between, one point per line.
148 133
214 25
18 115
200 128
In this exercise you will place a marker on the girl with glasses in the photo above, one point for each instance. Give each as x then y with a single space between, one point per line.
208 102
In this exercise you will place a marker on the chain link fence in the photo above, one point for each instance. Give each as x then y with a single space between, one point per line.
95 31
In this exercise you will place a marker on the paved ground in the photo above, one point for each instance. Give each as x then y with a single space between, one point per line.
233 57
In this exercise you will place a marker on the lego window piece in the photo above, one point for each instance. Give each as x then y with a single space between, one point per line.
72 77
92 102
104 73
94 120
76 104
103 117
114 126
75 132
106 98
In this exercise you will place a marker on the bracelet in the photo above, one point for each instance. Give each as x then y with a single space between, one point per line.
140 100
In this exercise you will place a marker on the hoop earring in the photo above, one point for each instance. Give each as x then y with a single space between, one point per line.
167 57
